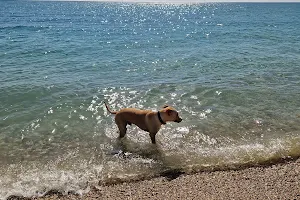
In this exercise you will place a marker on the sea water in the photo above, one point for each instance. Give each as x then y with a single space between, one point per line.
232 70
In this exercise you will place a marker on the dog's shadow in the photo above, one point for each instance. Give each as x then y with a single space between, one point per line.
126 149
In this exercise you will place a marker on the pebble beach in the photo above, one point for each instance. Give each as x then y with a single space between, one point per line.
278 181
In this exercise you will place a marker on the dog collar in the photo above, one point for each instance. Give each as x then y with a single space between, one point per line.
160 119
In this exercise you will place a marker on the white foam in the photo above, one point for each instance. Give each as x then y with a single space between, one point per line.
82 117
37 181
183 130
50 111
218 92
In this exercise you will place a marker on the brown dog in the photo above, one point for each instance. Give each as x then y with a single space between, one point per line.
147 120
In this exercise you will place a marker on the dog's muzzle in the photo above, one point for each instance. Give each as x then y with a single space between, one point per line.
178 120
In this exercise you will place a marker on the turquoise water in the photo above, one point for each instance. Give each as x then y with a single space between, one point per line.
231 70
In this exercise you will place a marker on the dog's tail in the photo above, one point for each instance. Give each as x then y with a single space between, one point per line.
111 112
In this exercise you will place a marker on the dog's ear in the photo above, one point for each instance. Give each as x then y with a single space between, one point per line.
165 106
169 112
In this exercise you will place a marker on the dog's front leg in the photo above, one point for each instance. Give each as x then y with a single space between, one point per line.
152 136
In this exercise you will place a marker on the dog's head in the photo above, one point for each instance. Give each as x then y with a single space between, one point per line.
170 114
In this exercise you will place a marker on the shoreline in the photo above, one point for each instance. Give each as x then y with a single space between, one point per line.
276 181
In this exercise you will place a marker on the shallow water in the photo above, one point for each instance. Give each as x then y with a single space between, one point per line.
231 70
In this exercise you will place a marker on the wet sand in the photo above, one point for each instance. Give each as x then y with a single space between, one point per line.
279 181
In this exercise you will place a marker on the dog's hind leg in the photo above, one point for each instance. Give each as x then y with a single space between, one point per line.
122 130
122 127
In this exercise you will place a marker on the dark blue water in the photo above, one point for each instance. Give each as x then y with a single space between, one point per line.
231 70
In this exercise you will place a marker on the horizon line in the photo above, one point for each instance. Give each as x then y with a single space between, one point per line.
183 1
